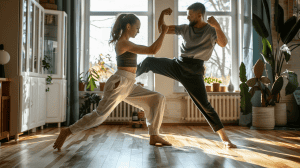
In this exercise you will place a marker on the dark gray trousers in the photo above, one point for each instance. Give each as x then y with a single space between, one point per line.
189 72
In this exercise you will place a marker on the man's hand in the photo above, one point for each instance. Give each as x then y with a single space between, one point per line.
213 22
164 28
167 11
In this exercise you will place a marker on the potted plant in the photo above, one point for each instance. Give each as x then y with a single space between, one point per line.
82 82
208 81
86 106
101 71
225 83
245 102
264 117
216 84
275 57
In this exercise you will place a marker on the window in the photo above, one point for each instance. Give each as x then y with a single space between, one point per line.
100 17
224 61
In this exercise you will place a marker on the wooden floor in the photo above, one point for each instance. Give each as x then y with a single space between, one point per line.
112 146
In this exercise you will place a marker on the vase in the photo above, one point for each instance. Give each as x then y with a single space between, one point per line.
216 87
230 87
263 117
208 88
280 114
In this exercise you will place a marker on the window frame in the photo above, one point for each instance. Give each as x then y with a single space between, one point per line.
89 13
234 42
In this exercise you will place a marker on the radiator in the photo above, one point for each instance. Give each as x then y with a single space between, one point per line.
123 112
227 107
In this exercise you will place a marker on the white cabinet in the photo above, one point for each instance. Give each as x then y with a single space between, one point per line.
56 102
32 37
25 103
33 102
55 43
41 114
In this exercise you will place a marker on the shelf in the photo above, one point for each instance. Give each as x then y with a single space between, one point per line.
5 79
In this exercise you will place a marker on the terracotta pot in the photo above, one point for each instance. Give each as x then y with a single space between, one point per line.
216 87
81 86
263 117
222 88
280 114
141 114
208 88
102 84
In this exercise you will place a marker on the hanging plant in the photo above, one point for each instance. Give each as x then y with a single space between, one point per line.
47 65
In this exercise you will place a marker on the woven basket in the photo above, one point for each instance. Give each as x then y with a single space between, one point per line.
263 117
280 114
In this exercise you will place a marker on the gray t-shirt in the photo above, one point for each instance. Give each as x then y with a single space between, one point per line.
198 43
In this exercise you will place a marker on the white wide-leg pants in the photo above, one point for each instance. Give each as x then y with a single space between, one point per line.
153 103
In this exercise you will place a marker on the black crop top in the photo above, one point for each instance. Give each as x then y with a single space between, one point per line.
127 59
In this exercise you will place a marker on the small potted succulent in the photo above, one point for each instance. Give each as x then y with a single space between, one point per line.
208 81
82 82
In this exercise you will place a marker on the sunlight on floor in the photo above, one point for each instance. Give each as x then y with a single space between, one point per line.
283 144
257 156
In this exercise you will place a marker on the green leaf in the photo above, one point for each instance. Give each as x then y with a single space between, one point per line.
277 86
279 18
288 25
292 33
292 84
267 48
259 26
267 11
287 56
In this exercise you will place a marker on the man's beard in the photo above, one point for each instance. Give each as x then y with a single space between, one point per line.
193 23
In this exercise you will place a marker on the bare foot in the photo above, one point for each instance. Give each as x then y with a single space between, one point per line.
64 133
228 144
156 139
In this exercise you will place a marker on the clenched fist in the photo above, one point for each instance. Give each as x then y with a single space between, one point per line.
167 11
213 22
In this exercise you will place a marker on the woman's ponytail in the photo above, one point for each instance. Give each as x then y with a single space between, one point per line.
120 25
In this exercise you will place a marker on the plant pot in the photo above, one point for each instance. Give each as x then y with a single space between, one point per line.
280 114
222 88
141 115
102 84
216 87
208 88
263 117
81 86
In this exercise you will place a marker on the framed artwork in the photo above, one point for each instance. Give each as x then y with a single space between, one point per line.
294 10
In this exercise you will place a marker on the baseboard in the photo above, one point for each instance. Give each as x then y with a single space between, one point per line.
171 124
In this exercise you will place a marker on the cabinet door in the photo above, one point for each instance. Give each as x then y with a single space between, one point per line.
52 42
34 107
23 34
54 101
65 46
64 97
25 103
42 102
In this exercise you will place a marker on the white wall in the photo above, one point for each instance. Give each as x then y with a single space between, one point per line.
175 106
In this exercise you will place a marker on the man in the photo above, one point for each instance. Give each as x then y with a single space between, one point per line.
199 41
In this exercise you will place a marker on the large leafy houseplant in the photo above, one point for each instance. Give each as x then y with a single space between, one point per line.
286 31
90 99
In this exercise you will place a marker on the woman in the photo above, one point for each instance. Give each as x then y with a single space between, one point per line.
120 86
